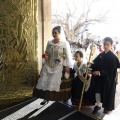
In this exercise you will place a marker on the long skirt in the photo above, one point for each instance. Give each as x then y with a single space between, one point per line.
77 87
62 95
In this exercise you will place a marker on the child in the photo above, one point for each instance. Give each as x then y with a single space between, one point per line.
79 71
104 69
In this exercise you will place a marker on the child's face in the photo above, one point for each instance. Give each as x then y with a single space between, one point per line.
77 57
107 46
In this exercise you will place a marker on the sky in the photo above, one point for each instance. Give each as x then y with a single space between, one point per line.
110 28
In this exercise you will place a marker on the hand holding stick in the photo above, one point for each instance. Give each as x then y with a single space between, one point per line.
83 89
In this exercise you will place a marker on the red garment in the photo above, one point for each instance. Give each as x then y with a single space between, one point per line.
100 49
116 52
43 55
85 102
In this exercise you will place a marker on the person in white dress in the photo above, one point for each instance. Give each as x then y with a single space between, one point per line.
55 79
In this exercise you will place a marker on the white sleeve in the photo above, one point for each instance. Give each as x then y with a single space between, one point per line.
68 56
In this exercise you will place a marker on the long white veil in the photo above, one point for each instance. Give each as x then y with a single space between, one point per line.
63 38
87 53
89 49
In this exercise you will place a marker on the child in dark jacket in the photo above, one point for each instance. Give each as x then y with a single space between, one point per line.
79 71
104 69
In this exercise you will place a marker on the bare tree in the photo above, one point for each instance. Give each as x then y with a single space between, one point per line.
75 21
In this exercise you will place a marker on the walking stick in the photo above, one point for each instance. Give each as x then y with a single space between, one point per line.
83 89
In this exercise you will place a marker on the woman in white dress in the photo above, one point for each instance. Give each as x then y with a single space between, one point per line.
55 79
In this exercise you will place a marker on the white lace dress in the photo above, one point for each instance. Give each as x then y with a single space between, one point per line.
51 77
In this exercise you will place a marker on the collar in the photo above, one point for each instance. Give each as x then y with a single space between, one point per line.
107 51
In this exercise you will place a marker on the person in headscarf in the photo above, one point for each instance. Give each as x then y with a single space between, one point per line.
55 79
94 54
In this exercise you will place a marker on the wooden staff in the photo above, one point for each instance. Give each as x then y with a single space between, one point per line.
84 83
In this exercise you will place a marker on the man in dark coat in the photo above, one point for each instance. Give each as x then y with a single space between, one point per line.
104 69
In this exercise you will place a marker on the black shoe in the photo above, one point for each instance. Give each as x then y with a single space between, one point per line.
96 109
106 111
44 102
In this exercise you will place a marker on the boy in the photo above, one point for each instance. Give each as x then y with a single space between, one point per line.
104 69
